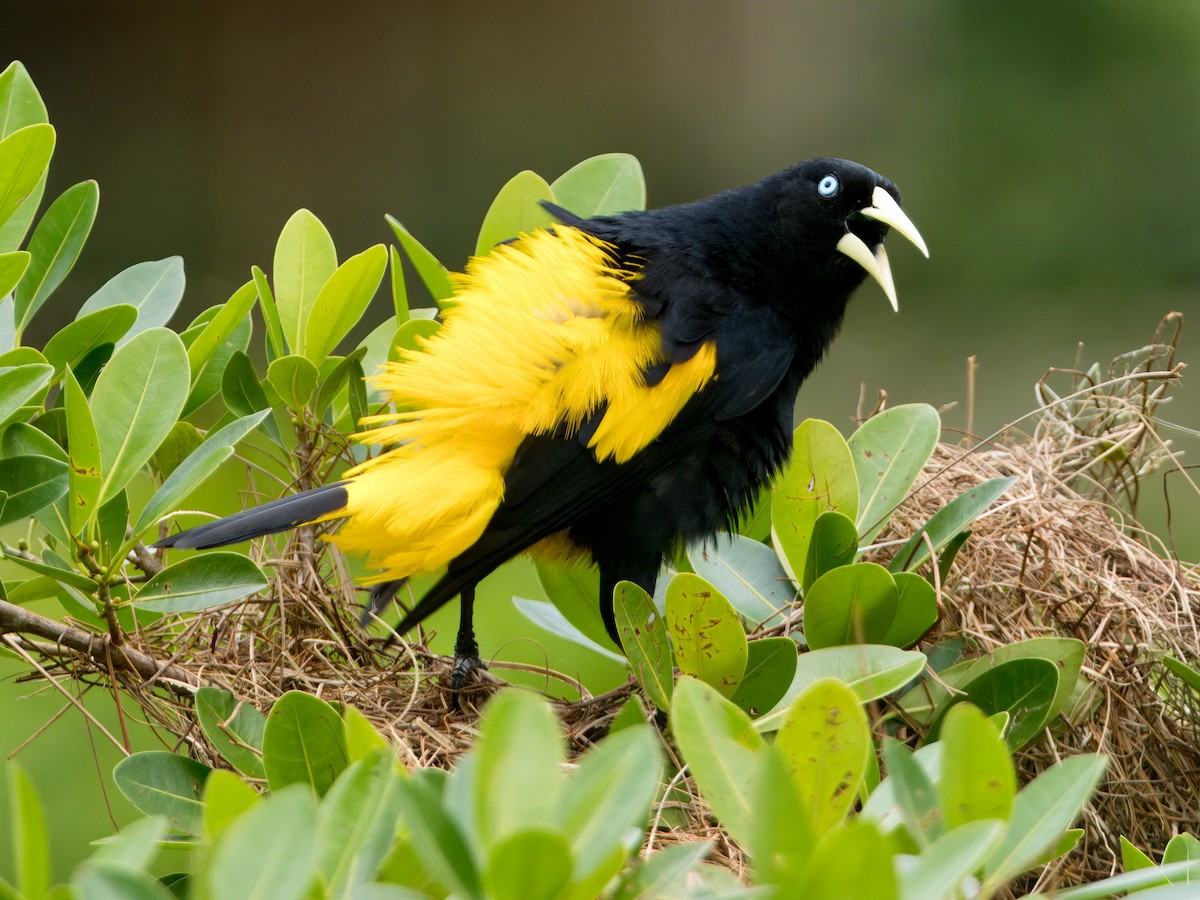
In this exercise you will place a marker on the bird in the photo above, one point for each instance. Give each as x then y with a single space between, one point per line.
602 390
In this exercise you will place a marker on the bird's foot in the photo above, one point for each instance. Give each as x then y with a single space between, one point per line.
464 665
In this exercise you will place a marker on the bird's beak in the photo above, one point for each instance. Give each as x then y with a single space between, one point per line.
885 209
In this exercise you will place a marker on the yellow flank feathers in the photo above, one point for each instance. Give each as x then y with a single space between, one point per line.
539 335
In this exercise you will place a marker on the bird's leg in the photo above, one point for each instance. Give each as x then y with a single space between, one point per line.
643 573
466 649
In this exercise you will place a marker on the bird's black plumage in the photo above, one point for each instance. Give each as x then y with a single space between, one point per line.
760 273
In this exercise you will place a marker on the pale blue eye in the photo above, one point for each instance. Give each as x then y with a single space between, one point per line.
828 186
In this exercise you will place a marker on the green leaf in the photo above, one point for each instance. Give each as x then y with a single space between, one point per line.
770 668
631 713
913 793
708 637
833 544
165 784
943 866
1186 673
356 823
516 210
948 522
19 385
889 451
949 553
644 638
916 610
547 616
79 338
24 157
201 582
519 753
331 383
399 289
531 864
55 246
412 335
294 379
206 381
276 345
269 852
154 288
220 327
1024 688
1183 848
361 736
873 671
602 185
1043 810
305 258
84 446
978 778
575 592
1138 881
846 866
30 839
135 845
304 742
226 798
20 102
12 267
100 879
181 441
234 728
432 273
824 739
60 573
780 840
748 573
1132 858
135 403
720 746
33 482
198 466
819 478
342 301
654 875
439 844
851 605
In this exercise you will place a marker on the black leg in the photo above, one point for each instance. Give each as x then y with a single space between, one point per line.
643 573
466 649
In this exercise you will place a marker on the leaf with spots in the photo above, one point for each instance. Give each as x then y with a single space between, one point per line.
709 641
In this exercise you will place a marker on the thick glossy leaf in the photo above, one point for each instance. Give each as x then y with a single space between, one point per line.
220 327
411 335
206 381
269 852
601 186
276 345
304 259
19 385
519 754
136 402
29 838
950 553
833 544
916 610
181 442
54 567
304 742
770 668
12 267
873 671
55 246
135 845
978 778
889 450
547 616
748 573
342 301
1024 688
32 483
333 380
294 379
720 746
164 784
20 102
100 879
1138 881
516 210
24 156
819 478
662 871
948 522
79 338
154 288
440 846
399 289
84 446
356 823
531 864
1132 858
1183 671
431 272
846 866
234 728
824 739
200 464
361 736
780 840
1182 848
708 637
1043 810
201 582
644 639
226 798
913 793
943 865
575 592
243 393
850 605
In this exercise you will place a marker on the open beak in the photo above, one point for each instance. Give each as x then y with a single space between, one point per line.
885 209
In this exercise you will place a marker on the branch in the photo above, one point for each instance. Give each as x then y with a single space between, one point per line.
96 647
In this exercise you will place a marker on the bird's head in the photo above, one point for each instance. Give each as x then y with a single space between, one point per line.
832 205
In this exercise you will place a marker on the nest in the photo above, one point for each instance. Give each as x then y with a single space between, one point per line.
1060 555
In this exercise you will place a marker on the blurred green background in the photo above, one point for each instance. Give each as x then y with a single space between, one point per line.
1048 151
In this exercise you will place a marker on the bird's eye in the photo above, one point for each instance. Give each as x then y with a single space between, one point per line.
828 186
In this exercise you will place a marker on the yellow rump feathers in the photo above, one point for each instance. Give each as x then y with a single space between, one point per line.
540 334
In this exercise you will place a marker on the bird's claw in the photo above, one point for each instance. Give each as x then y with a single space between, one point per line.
463 667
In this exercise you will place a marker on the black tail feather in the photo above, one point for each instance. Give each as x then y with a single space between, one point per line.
278 515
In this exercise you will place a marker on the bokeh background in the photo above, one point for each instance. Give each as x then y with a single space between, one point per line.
1049 152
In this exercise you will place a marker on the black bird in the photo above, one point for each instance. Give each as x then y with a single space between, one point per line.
605 389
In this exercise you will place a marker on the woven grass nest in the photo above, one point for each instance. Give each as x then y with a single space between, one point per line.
1059 555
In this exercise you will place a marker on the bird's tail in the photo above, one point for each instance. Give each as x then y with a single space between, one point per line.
279 515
